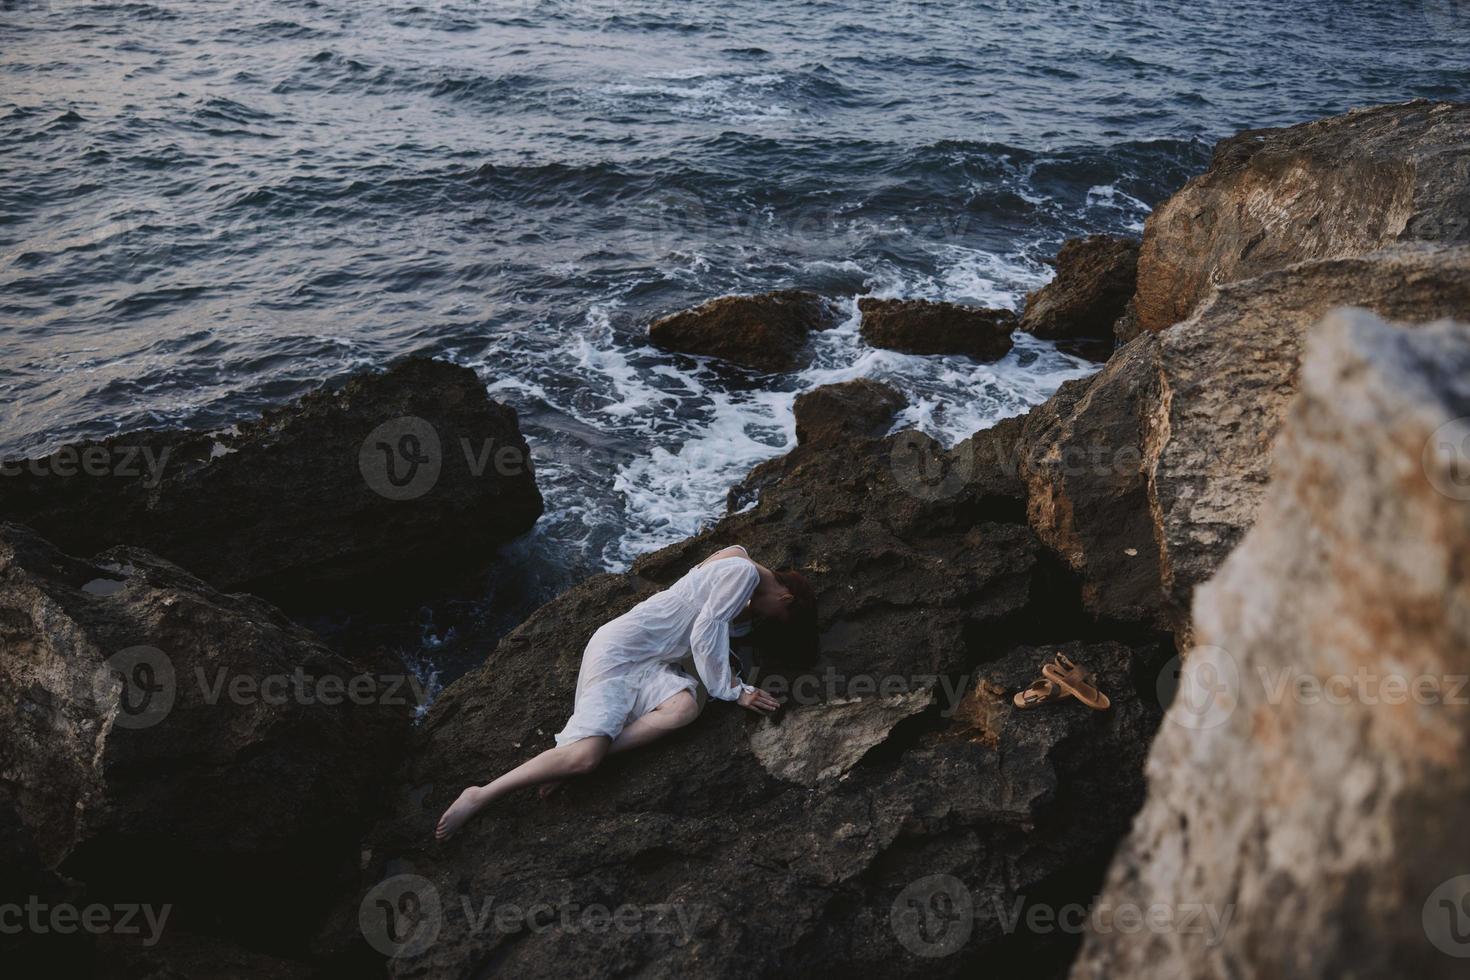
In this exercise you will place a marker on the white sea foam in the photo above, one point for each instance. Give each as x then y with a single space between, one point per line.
682 483
673 438
698 93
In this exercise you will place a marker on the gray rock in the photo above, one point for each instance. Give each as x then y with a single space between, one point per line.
923 581
822 742
1082 456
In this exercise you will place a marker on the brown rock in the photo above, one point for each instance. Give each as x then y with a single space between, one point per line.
859 409
1334 188
766 332
1095 280
1082 457
1301 792
1229 372
917 326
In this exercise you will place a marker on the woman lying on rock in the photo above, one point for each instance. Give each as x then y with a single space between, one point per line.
630 690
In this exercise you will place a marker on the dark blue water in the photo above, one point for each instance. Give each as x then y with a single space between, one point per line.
209 207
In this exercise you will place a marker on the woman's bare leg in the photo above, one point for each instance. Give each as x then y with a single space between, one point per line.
573 759
672 713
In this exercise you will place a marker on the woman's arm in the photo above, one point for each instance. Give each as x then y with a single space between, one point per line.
710 638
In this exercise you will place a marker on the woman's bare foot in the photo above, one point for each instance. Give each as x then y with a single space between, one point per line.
459 811
547 790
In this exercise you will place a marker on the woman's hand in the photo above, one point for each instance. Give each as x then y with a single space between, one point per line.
757 700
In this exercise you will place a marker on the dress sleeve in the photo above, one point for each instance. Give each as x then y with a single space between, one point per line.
733 580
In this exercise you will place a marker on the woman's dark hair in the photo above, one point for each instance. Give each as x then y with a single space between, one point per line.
805 596
794 642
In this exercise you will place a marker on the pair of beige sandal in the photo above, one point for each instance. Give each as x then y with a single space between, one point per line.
1061 679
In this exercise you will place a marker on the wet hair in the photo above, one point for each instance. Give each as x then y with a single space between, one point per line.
794 642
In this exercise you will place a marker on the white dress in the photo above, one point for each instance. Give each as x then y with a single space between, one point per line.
630 665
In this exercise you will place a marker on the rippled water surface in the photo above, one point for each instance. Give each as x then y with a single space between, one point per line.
209 207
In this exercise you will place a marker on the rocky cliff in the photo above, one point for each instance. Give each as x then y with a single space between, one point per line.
1328 189
1308 788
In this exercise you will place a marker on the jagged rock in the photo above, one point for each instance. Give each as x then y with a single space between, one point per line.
814 744
930 583
1127 326
917 326
1333 188
160 747
1229 372
1082 457
861 409
766 332
1302 778
303 498
1095 280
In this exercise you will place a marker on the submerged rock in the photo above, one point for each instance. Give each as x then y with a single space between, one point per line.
383 479
765 332
1096 278
1333 188
862 409
166 742
1311 771
917 326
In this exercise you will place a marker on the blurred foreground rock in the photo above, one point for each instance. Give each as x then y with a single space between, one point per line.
166 743
1309 784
